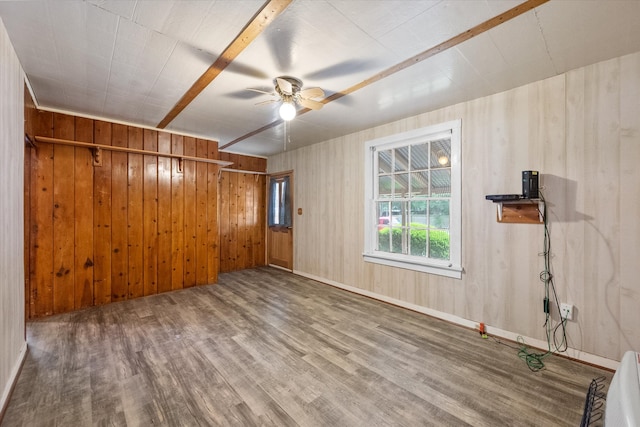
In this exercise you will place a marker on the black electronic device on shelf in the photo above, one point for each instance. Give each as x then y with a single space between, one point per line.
503 197
530 185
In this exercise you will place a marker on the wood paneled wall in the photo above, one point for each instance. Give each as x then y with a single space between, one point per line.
134 226
242 213
581 130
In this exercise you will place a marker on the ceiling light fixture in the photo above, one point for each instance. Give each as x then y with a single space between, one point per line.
287 111
443 159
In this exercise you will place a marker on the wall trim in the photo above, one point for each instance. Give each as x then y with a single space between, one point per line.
13 379
284 269
571 353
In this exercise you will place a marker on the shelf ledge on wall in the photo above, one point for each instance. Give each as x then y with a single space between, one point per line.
96 148
523 211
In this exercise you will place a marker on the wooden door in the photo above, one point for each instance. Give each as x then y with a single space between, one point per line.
280 220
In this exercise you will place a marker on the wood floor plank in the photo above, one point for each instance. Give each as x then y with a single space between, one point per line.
265 347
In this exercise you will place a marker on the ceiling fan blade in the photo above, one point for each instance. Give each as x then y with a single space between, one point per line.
261 91
280 44
246 70
344 68
285 86
310 104
312 92
268 101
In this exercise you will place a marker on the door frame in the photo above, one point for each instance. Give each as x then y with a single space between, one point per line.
290 229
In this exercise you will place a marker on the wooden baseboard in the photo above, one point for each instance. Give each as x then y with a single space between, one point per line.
282 268
571 353
13 379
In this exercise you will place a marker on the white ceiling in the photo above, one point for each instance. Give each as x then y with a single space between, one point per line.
132 61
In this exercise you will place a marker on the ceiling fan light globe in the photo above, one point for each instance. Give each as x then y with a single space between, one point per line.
287 111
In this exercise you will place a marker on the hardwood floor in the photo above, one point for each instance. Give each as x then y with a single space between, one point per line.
265 347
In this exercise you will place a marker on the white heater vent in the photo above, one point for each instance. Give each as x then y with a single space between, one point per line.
623 397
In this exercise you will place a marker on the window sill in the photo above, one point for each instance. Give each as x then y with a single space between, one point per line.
441 269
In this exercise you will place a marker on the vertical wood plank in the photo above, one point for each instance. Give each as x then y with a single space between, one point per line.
223 221
64 209
240 161
150 214
261 164
223 155
232 255
189 213
102 218
262 214
164 213
241 256
250 187
83 189
135 215
41 233
212 217
119 215
177 215
202 254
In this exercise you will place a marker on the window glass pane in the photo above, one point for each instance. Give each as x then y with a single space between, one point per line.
418 212
274 202
396 240
441 153
420 184
383 240
439 214
402 159
396 212
420 157
286 203
383 209
277 203
384 186
401 187
389 238
384 161
441 183
439 244
418 241
279 212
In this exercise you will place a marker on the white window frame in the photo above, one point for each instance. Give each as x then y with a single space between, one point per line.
449 268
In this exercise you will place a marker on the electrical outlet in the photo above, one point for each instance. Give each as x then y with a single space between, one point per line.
566 311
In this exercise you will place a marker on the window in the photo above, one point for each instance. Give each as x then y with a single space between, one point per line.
279 202
412 200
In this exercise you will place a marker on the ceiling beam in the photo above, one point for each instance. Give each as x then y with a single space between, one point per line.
260 21
448 44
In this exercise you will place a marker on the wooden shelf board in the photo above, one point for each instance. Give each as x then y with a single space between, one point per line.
521 213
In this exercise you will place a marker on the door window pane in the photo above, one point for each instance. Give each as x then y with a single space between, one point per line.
279 202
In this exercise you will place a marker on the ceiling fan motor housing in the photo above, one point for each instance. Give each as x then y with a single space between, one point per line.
290 91
296 85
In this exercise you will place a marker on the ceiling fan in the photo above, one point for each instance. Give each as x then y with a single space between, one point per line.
290 92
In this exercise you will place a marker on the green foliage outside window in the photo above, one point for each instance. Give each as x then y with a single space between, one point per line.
438 241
